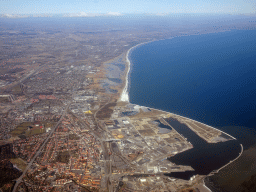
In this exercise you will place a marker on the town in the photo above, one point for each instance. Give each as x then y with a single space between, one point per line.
62 124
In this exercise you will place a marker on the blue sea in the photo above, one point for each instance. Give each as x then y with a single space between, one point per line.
210 78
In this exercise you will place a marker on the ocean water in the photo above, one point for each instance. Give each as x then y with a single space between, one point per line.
210 78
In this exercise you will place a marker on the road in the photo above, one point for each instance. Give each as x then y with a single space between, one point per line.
106 155
21 80
39 151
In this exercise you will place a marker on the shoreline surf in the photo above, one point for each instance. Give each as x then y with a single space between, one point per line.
125 94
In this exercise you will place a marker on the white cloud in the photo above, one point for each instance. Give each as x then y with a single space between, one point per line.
114 13
15 15
78 14
81 14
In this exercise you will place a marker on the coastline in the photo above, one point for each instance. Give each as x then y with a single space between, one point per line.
125 98
215 171
125 95
189 119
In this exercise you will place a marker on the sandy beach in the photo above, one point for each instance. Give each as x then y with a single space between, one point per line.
125 94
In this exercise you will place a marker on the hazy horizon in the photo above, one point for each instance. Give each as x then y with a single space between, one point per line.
78 8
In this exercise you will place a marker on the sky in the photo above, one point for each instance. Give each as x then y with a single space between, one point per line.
117 7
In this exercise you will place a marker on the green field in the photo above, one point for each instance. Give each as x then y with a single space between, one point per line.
63 157
22 129
17 90
74 137
19 163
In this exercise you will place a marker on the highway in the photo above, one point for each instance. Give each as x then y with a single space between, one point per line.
21 80
106 155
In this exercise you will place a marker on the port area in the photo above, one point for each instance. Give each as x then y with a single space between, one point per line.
140 142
